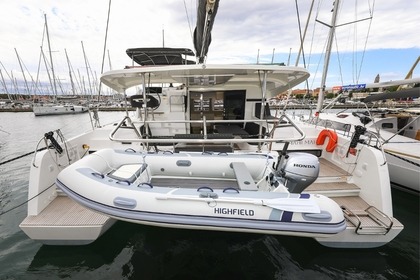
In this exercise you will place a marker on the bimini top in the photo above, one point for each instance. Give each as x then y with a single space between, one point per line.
160 56
210 77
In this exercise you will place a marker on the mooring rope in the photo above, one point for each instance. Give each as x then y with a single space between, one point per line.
53 144
21 156
25 202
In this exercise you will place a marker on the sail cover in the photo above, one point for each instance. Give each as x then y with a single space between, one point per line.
206 13
405 93
160 56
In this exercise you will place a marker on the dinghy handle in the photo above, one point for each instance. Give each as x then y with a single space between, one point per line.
145 184
99 175
204 188
123 181
231 189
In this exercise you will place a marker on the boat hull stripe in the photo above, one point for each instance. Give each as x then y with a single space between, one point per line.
285 225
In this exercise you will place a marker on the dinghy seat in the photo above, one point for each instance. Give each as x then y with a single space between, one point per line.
127 172
243 177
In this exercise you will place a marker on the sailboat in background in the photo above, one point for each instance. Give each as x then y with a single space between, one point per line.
397 136
54 108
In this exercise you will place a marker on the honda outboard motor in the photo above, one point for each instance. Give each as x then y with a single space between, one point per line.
298 171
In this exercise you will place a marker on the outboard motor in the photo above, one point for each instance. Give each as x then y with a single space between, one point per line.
298 171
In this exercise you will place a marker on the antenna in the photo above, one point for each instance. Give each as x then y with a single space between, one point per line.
163 37
258 56
288 59
272 57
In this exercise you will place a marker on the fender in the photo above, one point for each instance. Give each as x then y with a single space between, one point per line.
332 139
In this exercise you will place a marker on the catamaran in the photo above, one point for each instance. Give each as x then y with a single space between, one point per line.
204 153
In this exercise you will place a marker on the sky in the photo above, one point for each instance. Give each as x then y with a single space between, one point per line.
244 31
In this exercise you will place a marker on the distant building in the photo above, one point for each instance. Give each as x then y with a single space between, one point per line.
5 101
296 92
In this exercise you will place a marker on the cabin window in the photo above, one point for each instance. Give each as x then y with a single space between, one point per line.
387 125
266 113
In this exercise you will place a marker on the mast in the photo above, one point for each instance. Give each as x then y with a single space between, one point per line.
71 77
51 60
23 72
103 54
327 54
4 81
206 13
4 84
46 67
15 85
109 61
87 70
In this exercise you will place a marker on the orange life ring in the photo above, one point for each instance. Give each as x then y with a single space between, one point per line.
332 139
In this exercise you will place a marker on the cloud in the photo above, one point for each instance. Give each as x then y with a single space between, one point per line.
242 30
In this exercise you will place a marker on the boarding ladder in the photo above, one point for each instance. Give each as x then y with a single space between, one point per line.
365 218
368 221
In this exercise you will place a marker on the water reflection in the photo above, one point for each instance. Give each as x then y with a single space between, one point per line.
130 251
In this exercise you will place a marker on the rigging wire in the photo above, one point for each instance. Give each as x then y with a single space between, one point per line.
302 37
29 73
37 81
188 20
354 58
40 63
338 60
312 45
357 62
104 52
77 84
367 36
319 63
301 44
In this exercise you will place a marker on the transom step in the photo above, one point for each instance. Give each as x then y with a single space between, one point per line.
365 218
369 221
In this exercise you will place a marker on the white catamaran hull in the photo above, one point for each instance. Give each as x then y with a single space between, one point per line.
402 152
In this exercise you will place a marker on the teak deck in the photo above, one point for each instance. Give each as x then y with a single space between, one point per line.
63 211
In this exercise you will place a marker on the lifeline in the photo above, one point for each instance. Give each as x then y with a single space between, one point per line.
234 211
